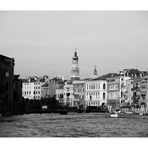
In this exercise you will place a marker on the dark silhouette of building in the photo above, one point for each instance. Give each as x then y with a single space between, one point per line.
6 84
17 95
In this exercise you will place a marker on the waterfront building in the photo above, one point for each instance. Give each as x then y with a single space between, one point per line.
17 94
45 93
79 92
31 88
140 91
6 84
75 68
95 92
60 95
17 86
69 94
144 90
49 89
129 91
113 91
116 89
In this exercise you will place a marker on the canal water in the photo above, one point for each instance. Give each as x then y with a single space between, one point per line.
73 125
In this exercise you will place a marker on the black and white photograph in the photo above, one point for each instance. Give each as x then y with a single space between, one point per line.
74 74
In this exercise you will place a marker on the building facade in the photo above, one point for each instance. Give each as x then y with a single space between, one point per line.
116 90
79 92
95 92
69 94
140 91
129 91
60 95
17 94
45 91
48 90
144 90
31 88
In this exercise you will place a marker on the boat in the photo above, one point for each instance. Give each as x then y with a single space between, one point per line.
121 115
141 114
114 115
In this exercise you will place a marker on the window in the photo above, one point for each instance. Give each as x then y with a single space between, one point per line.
90 98
103 96
113 87
104 86
121 94
87 86
92 86
67 94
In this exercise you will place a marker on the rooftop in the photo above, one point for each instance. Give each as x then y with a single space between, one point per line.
2 56
109 75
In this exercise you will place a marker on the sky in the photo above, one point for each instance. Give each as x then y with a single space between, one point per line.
43 42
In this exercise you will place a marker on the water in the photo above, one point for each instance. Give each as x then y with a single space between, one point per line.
73 125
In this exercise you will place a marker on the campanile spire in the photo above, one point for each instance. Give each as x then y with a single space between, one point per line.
75 68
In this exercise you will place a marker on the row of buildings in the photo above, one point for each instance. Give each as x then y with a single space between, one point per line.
114 89
128 87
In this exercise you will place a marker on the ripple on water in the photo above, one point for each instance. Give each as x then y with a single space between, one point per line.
73 125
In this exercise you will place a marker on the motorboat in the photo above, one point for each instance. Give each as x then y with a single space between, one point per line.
114 115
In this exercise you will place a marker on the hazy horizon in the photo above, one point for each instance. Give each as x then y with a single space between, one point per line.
43 42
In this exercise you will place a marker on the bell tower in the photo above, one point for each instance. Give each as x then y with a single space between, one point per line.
75 68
